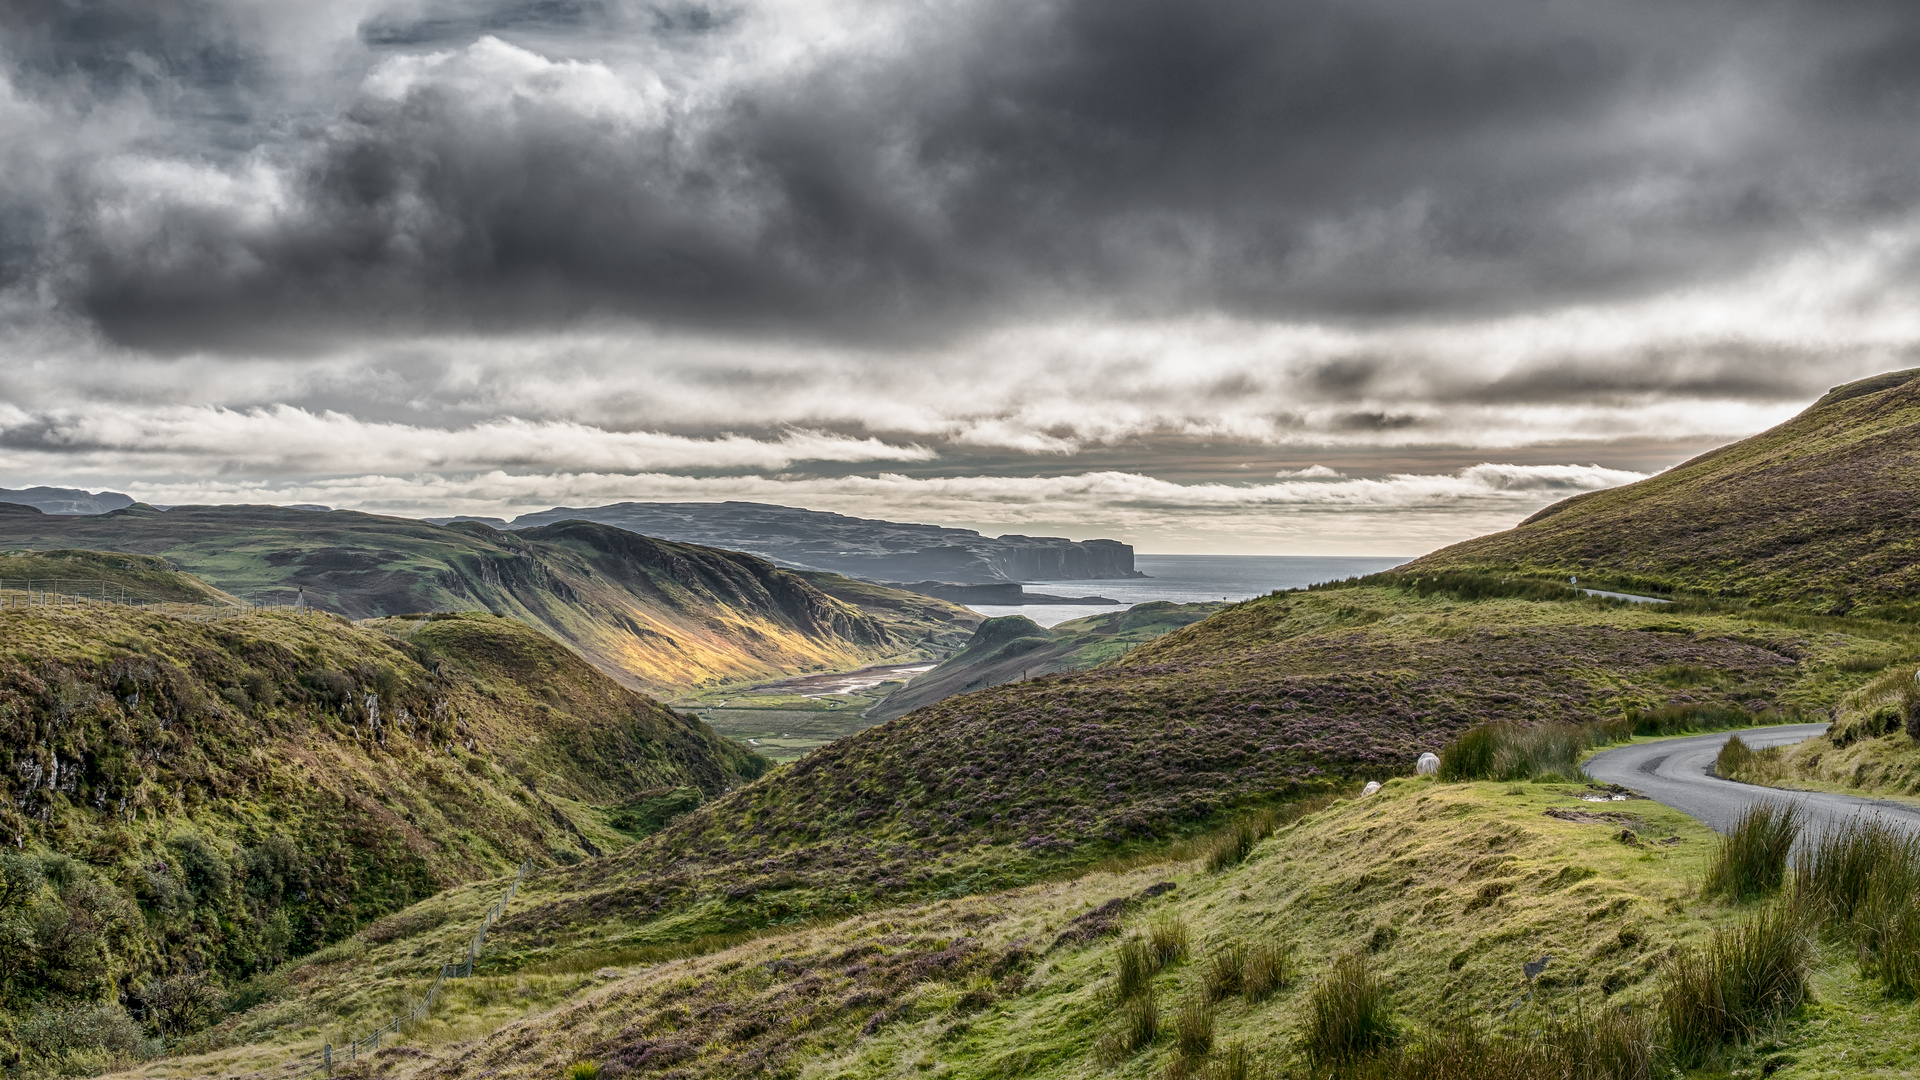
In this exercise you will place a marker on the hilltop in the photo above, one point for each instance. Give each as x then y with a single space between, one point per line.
1821 511
659 616
200 800
1014 647
858 547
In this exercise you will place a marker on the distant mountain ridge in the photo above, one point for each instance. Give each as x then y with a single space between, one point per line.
1823 510
660 617
858 547
52 500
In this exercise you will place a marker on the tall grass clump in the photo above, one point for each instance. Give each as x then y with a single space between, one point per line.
1238 840
1862 882
1226 971
1193 1028
1135 966
1617 1045
1348 1013
1503 751
1138 1025
1233 1062
1751 860
1268 967
1746 979
1842 869
1738 761
584 1070
1168 939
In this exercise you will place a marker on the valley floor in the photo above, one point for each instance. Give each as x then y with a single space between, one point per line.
1448 889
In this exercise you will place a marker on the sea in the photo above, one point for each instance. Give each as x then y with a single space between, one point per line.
1189 579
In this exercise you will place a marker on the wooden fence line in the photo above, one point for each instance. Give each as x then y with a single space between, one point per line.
322 1060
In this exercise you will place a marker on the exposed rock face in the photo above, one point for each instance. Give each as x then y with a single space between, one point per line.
860 547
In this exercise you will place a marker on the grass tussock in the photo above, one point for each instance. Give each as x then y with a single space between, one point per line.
1135 963
1237 841
1738 761
1862 882
1169 939
1269 967
1751 860
1137 1027
1616 1045
1193 1027
1503 751
1348 1014
1747 979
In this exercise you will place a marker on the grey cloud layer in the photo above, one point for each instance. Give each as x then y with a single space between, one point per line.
221 177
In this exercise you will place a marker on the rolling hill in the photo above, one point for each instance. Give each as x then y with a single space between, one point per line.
660 617
1014 647
200 800
1821 511
858 547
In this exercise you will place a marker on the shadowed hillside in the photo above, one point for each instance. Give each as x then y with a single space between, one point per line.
1014 647
658 616
1823 510
199 801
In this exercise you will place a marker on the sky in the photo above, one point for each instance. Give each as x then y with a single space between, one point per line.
1261 276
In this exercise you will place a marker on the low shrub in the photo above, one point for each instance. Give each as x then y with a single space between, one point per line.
1746 979
1738 761
1168 938
1268 967
1348 1015
1503 751
1751 860
583 1070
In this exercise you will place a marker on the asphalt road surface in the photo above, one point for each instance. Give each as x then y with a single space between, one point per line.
1678 772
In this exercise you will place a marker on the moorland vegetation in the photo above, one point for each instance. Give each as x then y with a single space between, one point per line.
1161 866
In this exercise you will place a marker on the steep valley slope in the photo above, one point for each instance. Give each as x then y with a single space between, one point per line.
660 617
187 802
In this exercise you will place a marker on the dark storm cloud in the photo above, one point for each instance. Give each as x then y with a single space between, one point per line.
1316 158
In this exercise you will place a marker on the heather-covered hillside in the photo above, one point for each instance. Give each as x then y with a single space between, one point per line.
1822 511
1270 700
186 803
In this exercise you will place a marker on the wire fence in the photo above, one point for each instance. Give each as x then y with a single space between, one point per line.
324 1059
85 593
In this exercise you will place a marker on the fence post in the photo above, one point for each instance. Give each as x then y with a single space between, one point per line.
326 1055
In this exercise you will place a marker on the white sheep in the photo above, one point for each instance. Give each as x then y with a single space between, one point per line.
1372 786
1428 764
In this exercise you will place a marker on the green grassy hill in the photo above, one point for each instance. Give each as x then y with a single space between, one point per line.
102 575
1014 647
1445 891
185 804
1272 700
658 616
1822 511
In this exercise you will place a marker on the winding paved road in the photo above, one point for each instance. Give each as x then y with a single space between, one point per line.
1677 772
